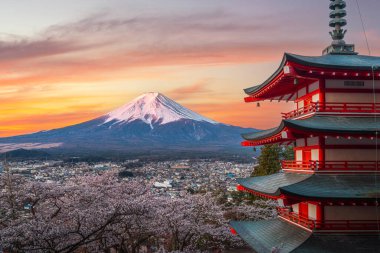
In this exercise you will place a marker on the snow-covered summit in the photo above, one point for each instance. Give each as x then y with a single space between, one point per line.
153 108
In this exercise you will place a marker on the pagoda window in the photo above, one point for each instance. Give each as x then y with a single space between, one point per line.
350 213
312 211
351 154
295 208
342 97
301 142
332 141
349 84
299 155
301 92
312 141
314 86
315 154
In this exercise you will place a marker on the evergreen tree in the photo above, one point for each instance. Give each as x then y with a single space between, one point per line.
287 153
269 161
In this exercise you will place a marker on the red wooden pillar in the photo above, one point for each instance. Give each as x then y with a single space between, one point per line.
304 210
322 89
322 145
319 215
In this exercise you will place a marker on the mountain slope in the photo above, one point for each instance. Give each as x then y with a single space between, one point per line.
150 122
153 108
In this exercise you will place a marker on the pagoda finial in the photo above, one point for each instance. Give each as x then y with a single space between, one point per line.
337 20
337 14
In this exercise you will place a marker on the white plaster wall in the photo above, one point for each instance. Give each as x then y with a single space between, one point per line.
300 104
301 92
315 154
312 209
315 98
299 155
296 208
314 86
351 154
350 213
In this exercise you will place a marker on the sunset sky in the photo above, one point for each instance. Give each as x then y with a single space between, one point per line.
64 62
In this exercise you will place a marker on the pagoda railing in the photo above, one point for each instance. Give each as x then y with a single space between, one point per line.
331 165
310 108
368 225
347 225
296 218
298 165
334 108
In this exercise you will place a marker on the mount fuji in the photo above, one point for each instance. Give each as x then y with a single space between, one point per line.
150 124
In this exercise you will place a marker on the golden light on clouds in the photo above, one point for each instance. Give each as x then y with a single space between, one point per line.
66 69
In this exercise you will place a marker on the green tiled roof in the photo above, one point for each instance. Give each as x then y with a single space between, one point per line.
349 62
316 186
264 236
354 62
335 243
271 184
258 135
324 124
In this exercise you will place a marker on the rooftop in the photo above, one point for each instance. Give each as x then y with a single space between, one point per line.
322 124
328 61
291 238
339 187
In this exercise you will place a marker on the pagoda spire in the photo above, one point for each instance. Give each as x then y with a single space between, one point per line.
337 14
337 20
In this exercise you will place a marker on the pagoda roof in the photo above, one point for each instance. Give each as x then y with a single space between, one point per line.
321 124
336 61
328 61
291 238
265 235
335 243
272 184
315 186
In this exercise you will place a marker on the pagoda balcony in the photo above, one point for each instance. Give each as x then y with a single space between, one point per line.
344 225
296 218
336 166
348 108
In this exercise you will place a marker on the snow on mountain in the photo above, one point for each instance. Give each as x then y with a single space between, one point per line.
153 108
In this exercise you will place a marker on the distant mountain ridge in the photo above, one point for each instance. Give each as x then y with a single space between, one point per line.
150 123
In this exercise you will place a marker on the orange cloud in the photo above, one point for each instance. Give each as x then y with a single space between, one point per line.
189 90
35 123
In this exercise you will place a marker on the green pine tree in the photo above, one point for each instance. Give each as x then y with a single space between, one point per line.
287 153
269 161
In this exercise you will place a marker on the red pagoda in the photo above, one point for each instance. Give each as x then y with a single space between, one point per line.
328 195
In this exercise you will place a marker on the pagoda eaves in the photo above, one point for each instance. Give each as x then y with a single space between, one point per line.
325 126
296 71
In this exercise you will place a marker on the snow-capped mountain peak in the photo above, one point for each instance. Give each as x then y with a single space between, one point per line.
153 108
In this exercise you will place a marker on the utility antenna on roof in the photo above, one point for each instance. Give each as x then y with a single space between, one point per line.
337 14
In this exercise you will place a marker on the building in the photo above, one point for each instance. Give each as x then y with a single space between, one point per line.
328 196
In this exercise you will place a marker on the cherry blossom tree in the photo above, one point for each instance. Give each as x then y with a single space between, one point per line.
99 213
